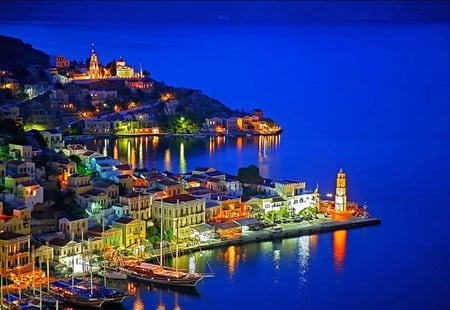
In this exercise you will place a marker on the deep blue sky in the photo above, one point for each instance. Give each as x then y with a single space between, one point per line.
226 11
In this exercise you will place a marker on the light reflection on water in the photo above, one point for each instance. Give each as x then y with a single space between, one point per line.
176 154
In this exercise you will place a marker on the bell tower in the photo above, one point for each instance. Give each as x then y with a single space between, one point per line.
94 71
340 202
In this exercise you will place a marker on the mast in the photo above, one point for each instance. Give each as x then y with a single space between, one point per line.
176 246
104 263
161 241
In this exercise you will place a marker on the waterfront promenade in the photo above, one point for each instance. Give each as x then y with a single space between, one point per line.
289 230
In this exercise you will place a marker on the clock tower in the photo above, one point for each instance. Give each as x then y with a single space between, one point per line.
340 202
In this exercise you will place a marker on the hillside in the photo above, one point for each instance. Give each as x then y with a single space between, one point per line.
15 53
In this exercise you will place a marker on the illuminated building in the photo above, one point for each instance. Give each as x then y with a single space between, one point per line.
73 227
139 205
15 249
133 230
122 70
341 192
61 62
180 212
112 237
29 194
94 70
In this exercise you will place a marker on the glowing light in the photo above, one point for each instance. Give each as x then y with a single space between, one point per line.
182 159
167 160
339 249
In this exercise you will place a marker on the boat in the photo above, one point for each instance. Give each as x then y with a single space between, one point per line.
160 274
80 293
156 274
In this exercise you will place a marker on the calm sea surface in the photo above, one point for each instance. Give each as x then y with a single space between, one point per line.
370 98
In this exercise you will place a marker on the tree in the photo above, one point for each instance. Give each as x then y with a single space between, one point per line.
249 175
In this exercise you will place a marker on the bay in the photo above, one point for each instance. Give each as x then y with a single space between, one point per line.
371 98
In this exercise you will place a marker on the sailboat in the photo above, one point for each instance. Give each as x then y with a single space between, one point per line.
160 274
77 292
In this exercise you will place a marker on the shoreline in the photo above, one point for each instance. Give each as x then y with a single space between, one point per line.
290 230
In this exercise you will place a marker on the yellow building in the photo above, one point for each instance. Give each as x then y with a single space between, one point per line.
122 70
14 252
341 192
179 213
112 237
133 230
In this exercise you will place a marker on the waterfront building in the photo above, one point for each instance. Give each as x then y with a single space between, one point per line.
15 252
133 231
179 213
215 124
248 122
68 252
231 124
97 126
341 192
43 253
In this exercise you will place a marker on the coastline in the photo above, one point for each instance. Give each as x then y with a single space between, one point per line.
289 230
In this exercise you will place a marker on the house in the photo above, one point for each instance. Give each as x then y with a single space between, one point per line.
215 124
110 189
170 187
29 194
19 167
73 227
12 181
125 180
133 230
112 237
53 138
79 183
97 126
139 205
21 152
69 253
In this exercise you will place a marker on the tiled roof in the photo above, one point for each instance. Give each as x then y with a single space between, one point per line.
8 235
124 220
179 198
